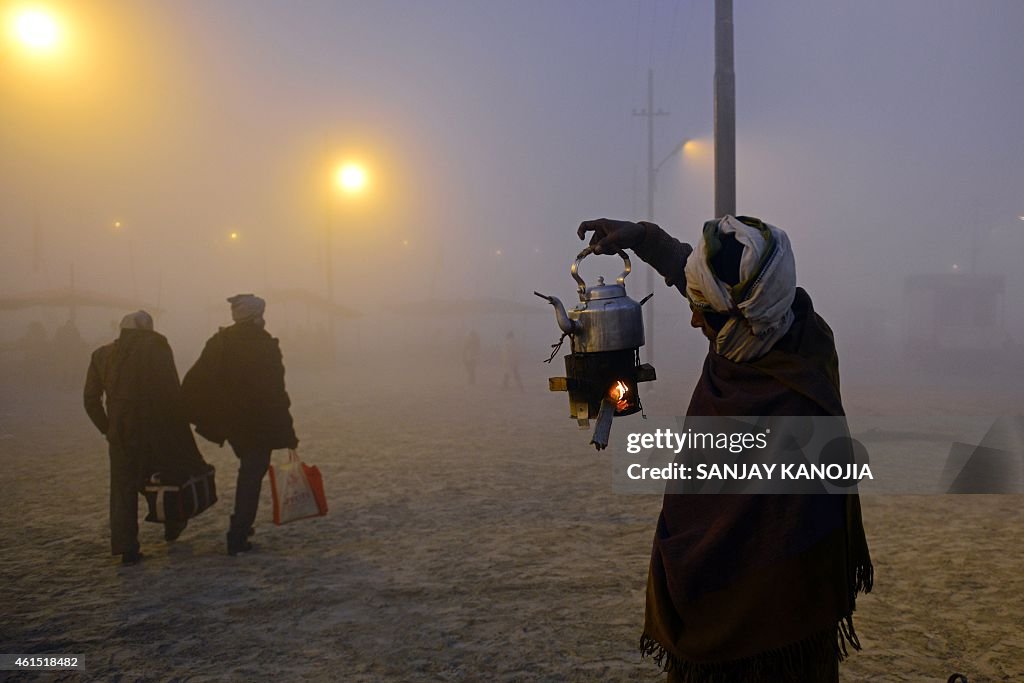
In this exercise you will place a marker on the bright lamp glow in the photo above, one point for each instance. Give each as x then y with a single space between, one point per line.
36 29
351 178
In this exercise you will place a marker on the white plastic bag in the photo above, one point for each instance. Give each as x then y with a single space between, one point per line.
292 493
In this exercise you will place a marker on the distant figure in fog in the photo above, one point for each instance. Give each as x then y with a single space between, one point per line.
235 392
510 360
69 350
143 422
471 355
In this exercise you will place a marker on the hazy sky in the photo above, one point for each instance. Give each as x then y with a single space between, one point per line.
883 135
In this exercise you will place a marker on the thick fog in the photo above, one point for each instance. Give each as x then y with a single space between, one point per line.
173 154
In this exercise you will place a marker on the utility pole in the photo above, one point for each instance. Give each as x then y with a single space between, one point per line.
330 216
37 249
650 113
329 271
725 112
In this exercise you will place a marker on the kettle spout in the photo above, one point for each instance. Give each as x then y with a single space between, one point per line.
566 324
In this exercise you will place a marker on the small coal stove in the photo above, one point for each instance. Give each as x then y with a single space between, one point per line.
606 331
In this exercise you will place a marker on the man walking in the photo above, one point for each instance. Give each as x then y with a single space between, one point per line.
143 422
235 392
510 361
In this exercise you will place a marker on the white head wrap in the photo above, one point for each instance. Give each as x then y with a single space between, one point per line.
760 305
247 307
139 320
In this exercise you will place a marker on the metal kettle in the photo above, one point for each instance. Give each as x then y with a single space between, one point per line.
606 319
602 373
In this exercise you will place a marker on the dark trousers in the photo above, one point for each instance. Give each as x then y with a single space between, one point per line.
125 473
253 462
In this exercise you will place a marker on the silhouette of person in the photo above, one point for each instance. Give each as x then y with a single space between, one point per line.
510 361
143 422
235 392
471 355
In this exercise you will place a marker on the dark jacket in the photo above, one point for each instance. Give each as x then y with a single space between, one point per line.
143 413
235 391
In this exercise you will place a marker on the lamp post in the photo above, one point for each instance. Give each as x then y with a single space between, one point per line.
654 177
725 112
350 180
652 183
130 240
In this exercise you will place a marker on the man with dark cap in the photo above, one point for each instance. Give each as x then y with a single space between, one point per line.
143 422
749 587
235 392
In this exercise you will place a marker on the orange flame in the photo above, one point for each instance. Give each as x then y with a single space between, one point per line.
618 394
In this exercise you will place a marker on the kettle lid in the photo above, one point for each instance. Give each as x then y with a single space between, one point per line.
603 291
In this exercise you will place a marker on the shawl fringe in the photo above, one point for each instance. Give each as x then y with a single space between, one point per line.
863 579
784 663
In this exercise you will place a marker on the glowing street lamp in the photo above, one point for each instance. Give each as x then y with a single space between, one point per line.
36 29
351 178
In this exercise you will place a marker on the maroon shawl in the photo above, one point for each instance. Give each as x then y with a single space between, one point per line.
759 587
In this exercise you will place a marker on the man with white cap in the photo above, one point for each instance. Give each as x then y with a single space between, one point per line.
143 422
749 587
235 392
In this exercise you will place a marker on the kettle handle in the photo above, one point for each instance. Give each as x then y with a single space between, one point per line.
581 286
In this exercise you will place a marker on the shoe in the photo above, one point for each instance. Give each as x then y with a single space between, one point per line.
173 529
131 558
237 544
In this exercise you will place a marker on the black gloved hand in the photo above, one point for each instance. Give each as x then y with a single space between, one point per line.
611 236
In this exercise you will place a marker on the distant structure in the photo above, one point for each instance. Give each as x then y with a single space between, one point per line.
951 316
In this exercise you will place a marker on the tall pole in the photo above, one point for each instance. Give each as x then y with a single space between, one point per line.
650 158
331 216
650 113
329 267
725 112
37 249
131 266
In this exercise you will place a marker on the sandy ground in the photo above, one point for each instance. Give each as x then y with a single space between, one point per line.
473 535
